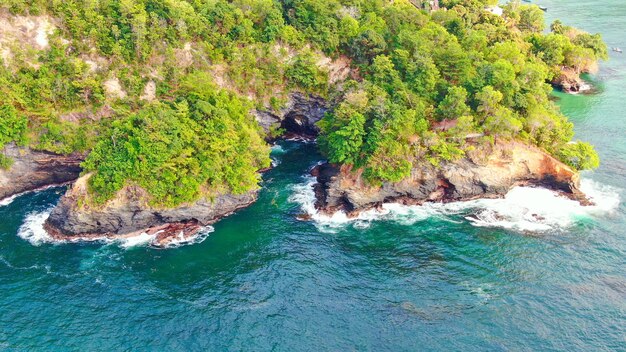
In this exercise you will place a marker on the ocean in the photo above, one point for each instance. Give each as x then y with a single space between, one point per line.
532 271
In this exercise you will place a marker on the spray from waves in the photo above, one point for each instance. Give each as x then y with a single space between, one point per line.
522 209
181 240
304 195
145 239
32 230
278 149
538 209
6 201
142 239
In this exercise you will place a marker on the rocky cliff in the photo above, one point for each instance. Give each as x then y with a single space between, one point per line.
33 169
569 81
129 215
486 172
298 117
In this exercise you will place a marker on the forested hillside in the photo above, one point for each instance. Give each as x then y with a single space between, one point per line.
159 93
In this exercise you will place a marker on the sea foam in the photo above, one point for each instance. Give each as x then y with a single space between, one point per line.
8 200
523 209
32 230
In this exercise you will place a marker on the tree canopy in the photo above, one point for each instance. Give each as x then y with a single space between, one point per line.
422 81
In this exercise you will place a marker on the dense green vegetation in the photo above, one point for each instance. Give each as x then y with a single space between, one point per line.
12 129
174 150
423 82
431 81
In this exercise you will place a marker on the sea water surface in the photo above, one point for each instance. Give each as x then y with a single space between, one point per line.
530 272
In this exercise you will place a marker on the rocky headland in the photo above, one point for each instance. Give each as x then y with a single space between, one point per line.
128 215
486 172
569 81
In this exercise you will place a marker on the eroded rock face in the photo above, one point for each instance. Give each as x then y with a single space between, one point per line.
487 172
569 81
33 169
128 214
298 117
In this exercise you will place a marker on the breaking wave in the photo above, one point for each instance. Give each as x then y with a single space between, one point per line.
145 240
185 241
32 230
8 200
522 209
277 149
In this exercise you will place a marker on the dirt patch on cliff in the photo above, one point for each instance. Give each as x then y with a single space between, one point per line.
113 89
24 32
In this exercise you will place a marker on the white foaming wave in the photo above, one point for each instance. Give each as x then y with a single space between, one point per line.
539 209
606 198
523 209
199 237
584 87
32 229
301 139
304 195
278 149
142 239
6 201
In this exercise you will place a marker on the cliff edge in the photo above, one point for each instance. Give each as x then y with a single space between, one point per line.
129 215
486 172
34 169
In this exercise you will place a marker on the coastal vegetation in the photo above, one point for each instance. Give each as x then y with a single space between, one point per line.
159 93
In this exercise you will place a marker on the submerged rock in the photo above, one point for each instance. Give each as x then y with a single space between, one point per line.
128 214
486 172
34 169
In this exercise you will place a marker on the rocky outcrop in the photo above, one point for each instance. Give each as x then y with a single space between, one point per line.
569 81
34 169
128 215
486 172
298 117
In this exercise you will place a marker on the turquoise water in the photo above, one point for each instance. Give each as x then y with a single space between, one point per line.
414 279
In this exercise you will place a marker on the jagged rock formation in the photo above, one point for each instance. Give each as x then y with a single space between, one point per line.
129 215
33 169
297 117
569 81
486 172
